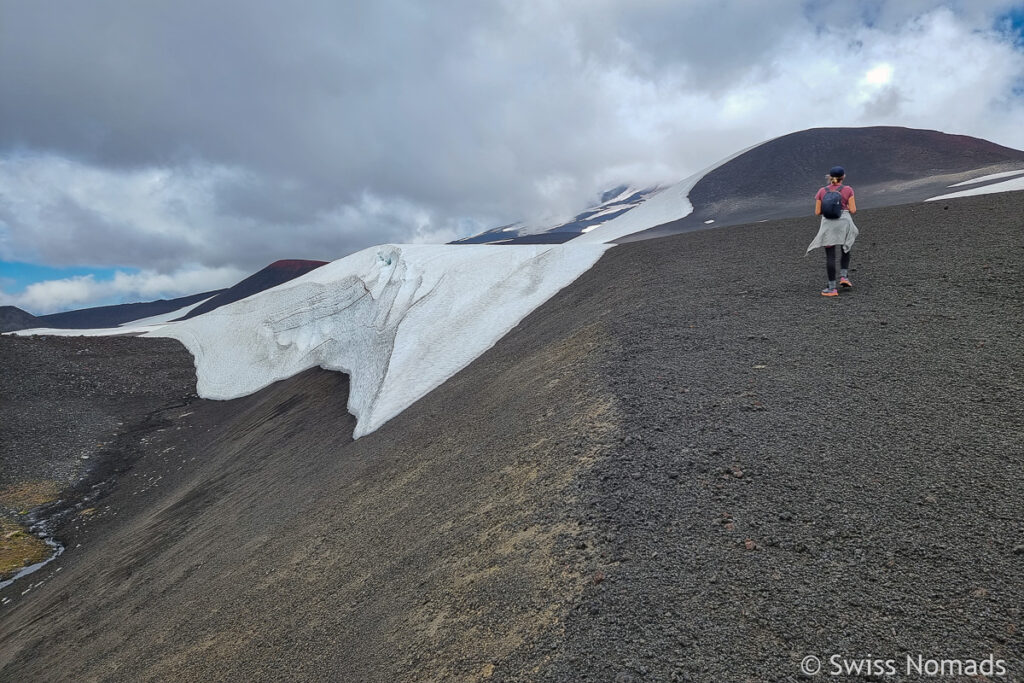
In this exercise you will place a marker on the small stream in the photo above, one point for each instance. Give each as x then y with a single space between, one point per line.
57 548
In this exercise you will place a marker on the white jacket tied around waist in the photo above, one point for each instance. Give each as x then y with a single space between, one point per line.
833 231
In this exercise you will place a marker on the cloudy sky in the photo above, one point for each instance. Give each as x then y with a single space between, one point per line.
158 149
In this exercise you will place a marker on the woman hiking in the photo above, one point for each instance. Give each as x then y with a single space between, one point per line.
836 206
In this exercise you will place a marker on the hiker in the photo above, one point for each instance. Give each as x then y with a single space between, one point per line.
836 206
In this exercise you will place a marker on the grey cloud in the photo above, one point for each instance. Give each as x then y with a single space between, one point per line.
710 44
454 114
69 233
883 105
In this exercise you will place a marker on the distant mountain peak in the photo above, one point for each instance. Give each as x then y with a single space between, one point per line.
13 318
292 264
614 203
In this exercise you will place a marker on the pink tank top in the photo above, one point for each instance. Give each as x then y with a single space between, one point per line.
845 192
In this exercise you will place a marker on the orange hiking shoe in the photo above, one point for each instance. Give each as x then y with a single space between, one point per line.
845 283
829 291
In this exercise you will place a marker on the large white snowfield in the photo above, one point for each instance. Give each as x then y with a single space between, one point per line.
398 319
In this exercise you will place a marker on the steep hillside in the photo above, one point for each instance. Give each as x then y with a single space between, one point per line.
685 465
885 165
259 527
13 318
112 316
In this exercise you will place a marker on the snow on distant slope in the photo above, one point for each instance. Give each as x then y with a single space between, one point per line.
139 326
84 332
615 202
991 176
163 317
398 319
669 204
1005 186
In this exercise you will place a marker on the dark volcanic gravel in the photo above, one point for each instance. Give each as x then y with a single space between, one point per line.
63 399
803 476
687 465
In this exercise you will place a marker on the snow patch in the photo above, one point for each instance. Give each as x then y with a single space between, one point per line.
991 176
1005 186
164 317
398 319
128 328
140 326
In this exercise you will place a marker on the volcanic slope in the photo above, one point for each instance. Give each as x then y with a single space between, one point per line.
886 166
276 273
118 314
686 465
13 318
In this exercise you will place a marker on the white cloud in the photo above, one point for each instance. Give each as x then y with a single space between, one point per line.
879 75
49 296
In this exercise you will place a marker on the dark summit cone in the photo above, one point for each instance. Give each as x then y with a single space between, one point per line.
885 165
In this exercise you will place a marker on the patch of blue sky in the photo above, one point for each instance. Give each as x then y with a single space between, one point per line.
15 276
1011 23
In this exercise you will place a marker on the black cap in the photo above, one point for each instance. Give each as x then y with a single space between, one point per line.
837 172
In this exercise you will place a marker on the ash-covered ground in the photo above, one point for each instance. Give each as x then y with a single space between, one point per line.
685 466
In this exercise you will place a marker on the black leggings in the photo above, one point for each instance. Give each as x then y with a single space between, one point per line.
830 261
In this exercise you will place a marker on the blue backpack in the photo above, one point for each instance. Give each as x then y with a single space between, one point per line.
832 202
